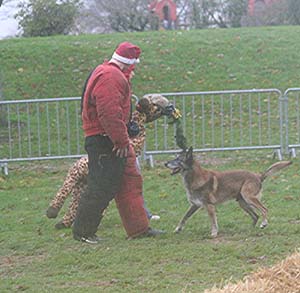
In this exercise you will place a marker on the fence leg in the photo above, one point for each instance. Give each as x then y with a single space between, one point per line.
149 160
292 153
4 168
278 154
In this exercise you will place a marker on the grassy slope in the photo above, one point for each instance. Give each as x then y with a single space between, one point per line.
171 61
37 258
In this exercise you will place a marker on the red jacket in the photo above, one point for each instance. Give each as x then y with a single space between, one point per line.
106 104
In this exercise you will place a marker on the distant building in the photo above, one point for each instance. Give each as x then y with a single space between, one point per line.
165 11
257 5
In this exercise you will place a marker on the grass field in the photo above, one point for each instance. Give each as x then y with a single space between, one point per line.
34 257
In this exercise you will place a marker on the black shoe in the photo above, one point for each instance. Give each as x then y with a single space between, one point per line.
52 212
151 233
90 240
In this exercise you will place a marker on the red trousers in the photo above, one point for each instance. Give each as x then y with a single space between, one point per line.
129 199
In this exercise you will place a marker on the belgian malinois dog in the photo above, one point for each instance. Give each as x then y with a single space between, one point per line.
207 188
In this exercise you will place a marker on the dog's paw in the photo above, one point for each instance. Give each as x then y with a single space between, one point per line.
214 234
178 229
264 224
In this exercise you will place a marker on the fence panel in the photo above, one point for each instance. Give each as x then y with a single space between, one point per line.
40 129
221 120
292 114
212 121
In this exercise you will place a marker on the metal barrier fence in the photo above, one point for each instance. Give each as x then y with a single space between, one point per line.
292 113
40 129
44 129
222 120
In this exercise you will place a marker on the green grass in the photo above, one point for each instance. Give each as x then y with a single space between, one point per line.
171 61
35 257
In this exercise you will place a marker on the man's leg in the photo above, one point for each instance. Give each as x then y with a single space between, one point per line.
130 201
150 216
104 178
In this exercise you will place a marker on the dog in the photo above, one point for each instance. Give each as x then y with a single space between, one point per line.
207 188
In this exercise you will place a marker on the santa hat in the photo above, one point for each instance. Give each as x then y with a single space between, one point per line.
127 53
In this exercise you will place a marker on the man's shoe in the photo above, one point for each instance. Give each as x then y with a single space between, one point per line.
152 233
90 240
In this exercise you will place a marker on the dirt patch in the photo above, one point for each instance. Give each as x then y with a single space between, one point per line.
8 264
86 285
52 166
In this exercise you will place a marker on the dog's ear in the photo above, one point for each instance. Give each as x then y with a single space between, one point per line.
189 156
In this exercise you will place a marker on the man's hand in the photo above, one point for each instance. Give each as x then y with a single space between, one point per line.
121 152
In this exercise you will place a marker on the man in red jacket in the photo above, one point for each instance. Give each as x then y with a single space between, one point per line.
112 162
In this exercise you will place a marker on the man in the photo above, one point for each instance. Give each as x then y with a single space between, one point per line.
148 109
112 162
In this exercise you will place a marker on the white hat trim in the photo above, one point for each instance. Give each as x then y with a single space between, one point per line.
125 60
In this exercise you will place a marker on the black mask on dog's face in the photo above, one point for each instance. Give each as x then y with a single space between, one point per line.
168 110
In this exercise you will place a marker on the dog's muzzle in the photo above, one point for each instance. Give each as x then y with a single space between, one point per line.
174 170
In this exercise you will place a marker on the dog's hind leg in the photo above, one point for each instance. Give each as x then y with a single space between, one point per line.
251 194
248 209
192 209
213 218
255 202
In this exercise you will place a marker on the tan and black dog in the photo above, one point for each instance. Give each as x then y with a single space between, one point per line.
207 188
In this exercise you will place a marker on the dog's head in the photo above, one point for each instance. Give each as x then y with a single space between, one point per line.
182 163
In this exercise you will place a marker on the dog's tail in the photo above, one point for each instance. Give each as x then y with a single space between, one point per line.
275 168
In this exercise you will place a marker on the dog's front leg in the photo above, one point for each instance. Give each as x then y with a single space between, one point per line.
192 209
213 218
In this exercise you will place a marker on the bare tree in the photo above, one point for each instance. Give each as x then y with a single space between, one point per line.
294 11
275 13
211 13
235 11
116 15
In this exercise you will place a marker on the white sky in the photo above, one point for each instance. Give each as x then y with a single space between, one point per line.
8 24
